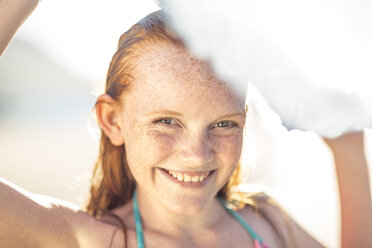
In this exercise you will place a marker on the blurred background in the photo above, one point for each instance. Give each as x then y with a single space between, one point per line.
48 77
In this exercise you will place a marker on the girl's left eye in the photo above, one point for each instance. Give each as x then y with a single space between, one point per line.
225 124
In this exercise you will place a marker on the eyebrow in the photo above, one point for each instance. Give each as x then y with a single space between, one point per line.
224 117
165 111
175 113
233 115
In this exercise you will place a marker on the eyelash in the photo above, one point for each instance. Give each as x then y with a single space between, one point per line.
232 124
160 121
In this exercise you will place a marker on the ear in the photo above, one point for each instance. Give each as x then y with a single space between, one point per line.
108 119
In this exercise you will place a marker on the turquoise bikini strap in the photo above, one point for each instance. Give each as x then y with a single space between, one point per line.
241 221
139 230
137 217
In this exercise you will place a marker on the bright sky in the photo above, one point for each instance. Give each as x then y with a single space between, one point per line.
82 34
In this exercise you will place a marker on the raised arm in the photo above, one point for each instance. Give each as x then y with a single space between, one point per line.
354 189
12 14
26 218
30 220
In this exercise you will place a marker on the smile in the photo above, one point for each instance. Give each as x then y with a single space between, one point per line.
187 177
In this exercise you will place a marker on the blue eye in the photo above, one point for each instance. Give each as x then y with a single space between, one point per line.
166 121
225 124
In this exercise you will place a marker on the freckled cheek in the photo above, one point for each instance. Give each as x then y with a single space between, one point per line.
150 148
228 147
162 143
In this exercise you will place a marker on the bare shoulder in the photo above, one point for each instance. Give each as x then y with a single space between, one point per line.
30 220
288 233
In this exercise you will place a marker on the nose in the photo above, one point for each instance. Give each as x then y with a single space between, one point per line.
196 151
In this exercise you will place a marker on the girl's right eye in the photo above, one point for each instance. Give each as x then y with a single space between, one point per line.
166 121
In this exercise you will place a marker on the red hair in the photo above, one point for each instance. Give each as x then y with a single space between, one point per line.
112 183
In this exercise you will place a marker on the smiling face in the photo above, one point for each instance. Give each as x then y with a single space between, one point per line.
182 128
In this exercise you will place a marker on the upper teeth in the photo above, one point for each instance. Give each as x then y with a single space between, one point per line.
184 177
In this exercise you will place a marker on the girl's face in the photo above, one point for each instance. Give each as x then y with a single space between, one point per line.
182 128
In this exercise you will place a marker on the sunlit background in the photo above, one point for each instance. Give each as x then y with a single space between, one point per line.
47 75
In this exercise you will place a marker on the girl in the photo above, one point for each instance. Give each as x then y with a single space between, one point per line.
168 167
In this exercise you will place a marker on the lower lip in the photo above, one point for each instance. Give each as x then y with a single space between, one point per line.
186 184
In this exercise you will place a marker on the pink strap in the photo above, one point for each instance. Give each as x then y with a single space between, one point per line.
258 245
264 245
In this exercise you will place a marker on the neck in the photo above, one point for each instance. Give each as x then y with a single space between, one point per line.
158 217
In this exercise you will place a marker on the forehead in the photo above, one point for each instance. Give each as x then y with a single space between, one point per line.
169 75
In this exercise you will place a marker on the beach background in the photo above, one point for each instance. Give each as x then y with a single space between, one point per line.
48 76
